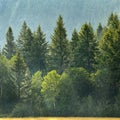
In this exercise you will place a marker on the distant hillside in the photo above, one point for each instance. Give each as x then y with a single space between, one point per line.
45 13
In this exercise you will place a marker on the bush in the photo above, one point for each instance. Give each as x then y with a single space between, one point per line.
22 110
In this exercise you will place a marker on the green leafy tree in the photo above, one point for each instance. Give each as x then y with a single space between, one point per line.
22 110
101 85
59 48
50 90
36 82
67 98
38 104
87 48
39 51
74 86
10 47
80 81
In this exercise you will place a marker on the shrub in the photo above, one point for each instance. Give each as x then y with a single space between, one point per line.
22 110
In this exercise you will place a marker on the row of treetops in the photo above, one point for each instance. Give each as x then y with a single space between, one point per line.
81 51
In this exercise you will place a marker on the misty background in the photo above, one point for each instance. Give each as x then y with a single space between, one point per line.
45 13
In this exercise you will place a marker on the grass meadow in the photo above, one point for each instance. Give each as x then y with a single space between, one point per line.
61 118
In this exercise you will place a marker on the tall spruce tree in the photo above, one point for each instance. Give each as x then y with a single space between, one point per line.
24 43
110 55
19 68
39 50
59 48
74 44
87 48
113 21
99 31
10 47
109 59
22 36
7 84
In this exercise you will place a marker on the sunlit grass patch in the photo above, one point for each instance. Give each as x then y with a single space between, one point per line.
61 118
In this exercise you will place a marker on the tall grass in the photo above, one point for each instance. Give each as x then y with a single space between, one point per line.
60 118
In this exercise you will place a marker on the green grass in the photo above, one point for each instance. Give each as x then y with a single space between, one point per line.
61 118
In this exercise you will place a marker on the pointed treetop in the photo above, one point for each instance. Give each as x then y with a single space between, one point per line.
39 31
24 23
74 31
10 29
10 47
60 18
39 28
60 27
74 34
100 26
86 30
113 21
9 34
74 39
24 26
99 31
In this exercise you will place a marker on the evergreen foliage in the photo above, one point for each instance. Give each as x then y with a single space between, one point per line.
59 48
24 44
80 77
86 48
10 47
19 68
110 52
99 31
74 48
7 83
39 51
113 21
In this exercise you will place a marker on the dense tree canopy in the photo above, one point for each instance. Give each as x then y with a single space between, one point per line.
77 77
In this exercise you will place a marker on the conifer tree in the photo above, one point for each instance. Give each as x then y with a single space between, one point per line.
59 48
19 68
109 55
7 84
39 50
22 36
10 47
87 48
24 43
99 31
113 21
74 44
109 59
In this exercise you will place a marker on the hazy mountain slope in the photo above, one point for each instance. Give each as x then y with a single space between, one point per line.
45 13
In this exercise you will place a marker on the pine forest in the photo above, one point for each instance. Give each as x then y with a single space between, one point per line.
75 77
